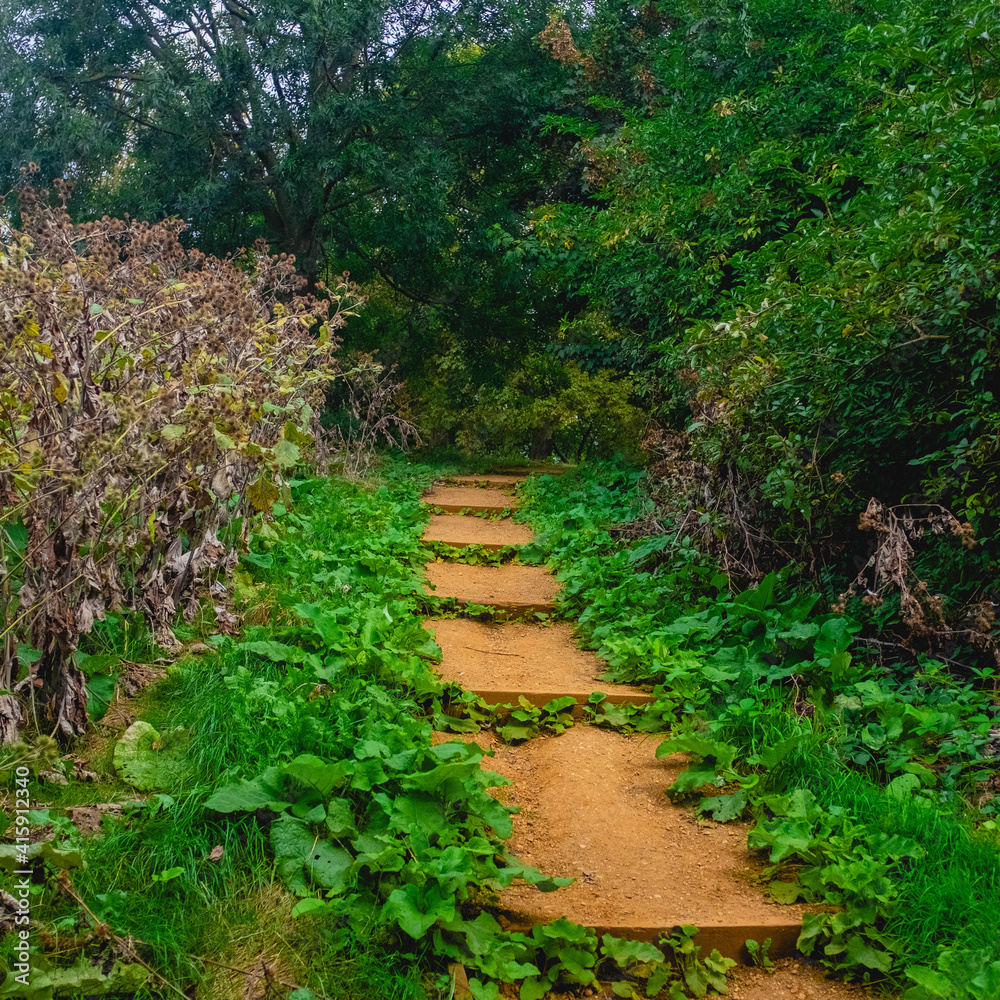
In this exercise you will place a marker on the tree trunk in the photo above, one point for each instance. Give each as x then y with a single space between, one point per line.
541 443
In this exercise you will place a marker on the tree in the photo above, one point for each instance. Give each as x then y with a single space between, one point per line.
383 130
798 235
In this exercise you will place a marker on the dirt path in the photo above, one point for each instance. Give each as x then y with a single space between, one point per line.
592 807
461 531
495 479
454 499
591 802
541 662
511 588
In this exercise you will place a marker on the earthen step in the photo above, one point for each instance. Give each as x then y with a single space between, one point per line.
593 807
454 529
542 470
520 590
453 499
497 479
501 662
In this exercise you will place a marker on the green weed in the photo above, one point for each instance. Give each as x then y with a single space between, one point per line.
861 777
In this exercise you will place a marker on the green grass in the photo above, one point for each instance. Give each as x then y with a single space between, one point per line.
247 712
946 898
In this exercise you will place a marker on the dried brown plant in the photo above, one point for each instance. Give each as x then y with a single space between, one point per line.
557 38
373 398
150 395
890 569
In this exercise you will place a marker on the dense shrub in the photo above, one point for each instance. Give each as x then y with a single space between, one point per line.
151 397
799 235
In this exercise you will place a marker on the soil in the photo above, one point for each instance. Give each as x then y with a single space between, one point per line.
88 819
790 979
497 479
521 657
591 802
471 497
593 807
541 470
500 586
794 979
458 530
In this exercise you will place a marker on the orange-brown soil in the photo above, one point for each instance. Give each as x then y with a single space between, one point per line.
458 530
592 807
501 586
471 497
521 658
794 979
541 470
791 979
495 479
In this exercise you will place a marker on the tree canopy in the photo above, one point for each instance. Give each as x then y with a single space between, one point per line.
381 131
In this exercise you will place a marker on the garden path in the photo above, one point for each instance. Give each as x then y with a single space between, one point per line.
591 801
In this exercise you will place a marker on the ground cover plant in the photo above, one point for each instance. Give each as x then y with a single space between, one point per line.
788 243
872 788
282 787
751 245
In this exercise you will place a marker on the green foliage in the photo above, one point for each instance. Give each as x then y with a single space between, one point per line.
400 142
148 760
80 979
545 406
856 773
527 721
472 555
797 233
301 753
758 954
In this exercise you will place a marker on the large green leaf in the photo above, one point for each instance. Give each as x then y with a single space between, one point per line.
77 980
11 856
148 760
248 796
292 843
417 909
278 651
329 866
624 952
317 773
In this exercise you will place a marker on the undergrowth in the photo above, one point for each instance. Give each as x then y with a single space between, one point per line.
281 820
283 815
869 785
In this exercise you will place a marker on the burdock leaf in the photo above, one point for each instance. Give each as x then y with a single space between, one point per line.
147 760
